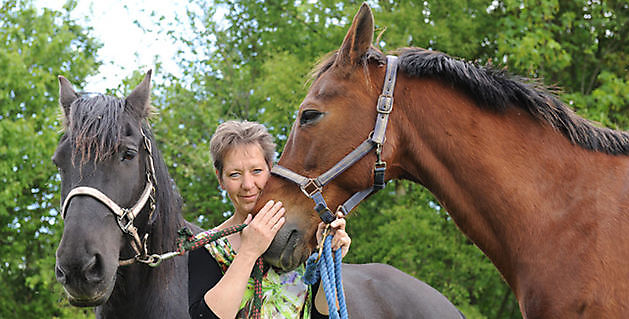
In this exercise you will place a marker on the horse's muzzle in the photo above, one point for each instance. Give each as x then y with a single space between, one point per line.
287 250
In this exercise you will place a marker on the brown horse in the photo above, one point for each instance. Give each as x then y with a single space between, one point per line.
542 191
107 159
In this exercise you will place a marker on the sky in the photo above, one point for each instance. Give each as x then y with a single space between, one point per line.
126 47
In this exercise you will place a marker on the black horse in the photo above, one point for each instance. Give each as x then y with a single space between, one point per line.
104 147
107 159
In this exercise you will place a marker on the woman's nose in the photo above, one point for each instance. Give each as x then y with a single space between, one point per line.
247 181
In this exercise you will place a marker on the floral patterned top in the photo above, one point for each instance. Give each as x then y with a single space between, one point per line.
283 295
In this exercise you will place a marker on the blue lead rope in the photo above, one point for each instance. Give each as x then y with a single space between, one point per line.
329 270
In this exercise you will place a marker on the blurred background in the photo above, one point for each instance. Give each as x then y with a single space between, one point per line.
220 60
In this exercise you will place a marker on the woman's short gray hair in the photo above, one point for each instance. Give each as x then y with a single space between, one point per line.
236 133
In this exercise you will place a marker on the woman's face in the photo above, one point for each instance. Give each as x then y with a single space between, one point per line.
245 172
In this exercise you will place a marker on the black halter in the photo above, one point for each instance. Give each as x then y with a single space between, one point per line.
313 187
126 216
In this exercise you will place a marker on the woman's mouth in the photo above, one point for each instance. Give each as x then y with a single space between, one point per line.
249 197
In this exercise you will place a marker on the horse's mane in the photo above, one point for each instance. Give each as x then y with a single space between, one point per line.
92 126
497 90
95 128
168 203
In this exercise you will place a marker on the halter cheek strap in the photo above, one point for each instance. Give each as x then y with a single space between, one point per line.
313 187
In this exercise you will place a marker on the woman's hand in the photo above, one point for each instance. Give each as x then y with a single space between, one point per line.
261 229
337 228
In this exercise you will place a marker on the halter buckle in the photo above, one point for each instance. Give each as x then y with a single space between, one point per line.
310 188
385 104
325 213
124 221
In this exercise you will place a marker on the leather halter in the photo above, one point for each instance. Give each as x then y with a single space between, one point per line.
313 187
126 216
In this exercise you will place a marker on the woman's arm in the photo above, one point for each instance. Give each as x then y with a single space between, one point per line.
226 296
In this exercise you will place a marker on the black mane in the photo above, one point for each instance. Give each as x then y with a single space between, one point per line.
93 126
497 90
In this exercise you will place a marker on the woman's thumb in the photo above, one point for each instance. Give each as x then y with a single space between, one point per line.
248 219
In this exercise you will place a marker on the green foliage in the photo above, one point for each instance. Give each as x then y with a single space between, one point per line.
253 63
35 46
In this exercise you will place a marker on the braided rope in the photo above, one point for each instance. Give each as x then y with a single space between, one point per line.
187 241
329 271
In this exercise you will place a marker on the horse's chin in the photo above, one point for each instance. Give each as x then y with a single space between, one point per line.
287 257
91 301
93 298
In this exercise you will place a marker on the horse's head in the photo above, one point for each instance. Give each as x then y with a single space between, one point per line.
336 116
101 157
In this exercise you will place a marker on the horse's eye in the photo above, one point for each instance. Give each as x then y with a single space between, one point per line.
310 117
128 155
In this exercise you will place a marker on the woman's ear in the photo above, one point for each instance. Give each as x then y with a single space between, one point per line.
220 179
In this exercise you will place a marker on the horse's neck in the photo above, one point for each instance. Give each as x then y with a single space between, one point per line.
506 179
144 292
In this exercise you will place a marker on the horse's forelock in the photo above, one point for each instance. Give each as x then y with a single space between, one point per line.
94 126
373 55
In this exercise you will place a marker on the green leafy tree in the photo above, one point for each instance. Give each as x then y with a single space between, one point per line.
251 60
35 46
579 46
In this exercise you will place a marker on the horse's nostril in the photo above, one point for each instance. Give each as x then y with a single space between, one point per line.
93 269
61 275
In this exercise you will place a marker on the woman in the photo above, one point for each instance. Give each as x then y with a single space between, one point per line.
219 284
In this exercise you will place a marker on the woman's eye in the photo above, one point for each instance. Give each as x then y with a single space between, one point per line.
234 175
128 155
310 117
257 171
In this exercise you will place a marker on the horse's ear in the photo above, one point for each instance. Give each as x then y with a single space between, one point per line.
66 95
358 38
140 98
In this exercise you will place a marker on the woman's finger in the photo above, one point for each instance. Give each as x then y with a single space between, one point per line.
276 217
339 222
340 238
264 212
320 229
276 227
273 211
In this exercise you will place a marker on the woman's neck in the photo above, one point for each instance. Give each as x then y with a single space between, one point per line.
236 219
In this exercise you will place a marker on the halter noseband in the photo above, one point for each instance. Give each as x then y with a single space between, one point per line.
126 216
313 187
